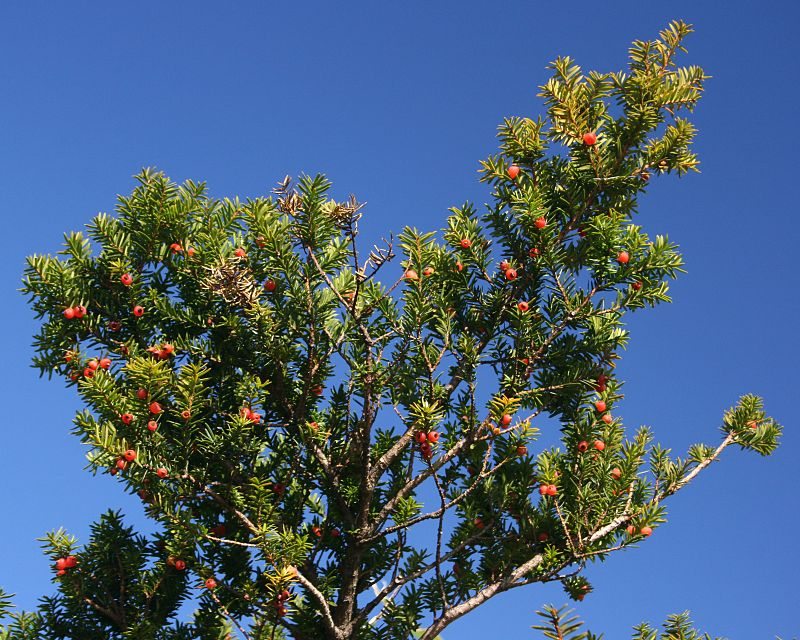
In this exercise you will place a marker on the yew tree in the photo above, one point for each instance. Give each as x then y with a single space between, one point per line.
330 455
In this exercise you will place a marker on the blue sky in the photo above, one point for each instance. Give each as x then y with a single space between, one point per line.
397 102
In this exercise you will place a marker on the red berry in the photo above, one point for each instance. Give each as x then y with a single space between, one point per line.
589 138
152 425
533 253
433 436
428 271
540 222
522 450
410 274
61 572
80 311
543 536
506 420
636 285
180 565
607 418
176 248
71 562
69 313
466 243
511 274
155 408
219 530
61 564
316 531
600 405
270 285
240 253
105 363
523 306
126 418
93 364
141 394
616 473
121 464
552 489
138 311
162 473
317 391
645 531
631 530
583 446
623 257
505 265
190 252
599 445
129 455
459 267
279 488
543 489
126 279
422 437
335 533
513 171
752 424
88 372
478 522
114 326
186 414
211 583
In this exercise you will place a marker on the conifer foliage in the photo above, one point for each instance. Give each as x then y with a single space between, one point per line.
314 443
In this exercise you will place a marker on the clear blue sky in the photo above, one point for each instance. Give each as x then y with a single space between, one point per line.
397 102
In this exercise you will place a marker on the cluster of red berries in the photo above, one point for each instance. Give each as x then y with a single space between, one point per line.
175 247
645 531
583 446
280 602
77 312
91 366
65 563
248 414
548 489
162 351
426 441
126 457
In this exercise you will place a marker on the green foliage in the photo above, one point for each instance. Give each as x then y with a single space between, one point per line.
316 441
560 624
